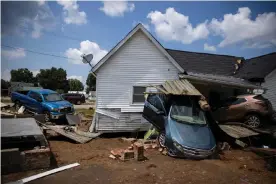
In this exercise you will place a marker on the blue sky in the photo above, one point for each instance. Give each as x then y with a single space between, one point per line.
246 29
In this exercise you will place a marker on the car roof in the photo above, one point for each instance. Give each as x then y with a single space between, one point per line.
43 91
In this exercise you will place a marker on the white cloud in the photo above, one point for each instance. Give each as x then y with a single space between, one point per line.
14 54
80 78
34 15
209 47
239 27
6 75
71 13
175 26
86 47
117 8
35 72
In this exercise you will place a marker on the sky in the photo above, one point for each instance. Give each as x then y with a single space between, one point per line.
68 29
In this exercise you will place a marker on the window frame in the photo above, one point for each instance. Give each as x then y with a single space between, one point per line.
132 93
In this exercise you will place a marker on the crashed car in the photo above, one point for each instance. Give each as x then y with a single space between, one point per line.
250 109
183 125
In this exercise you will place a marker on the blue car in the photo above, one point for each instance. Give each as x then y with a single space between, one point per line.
43 101
183 125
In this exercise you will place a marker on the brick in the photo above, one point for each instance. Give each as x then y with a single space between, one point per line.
130 148
154 146
112 157
117 152
139 151
127 155
147 146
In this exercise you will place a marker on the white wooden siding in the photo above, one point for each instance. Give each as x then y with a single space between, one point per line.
137 62
270 84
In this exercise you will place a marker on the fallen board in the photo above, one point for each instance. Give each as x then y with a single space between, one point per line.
71 135
237 131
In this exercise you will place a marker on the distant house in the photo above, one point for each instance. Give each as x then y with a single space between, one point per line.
262 71
140 60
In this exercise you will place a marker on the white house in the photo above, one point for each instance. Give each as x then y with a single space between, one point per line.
135 62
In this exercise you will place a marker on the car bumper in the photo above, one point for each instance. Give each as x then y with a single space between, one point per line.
192 153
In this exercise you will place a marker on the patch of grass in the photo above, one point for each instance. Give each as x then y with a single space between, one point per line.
86 112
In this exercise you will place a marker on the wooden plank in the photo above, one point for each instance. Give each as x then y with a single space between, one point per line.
34 177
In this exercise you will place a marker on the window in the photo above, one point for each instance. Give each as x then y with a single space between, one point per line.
138 94
187 112
53 97
239 101
35 96
155 101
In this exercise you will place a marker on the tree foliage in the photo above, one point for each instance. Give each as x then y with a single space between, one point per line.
5 84
22 75
90 82
75 85
54 78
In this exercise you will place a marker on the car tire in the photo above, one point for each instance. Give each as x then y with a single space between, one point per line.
253 120
17 105
47 117
161 139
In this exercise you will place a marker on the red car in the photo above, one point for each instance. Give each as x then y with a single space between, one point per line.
250 109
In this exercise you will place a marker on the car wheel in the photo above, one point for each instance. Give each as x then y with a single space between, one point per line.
171 153
46 116
161 139
17 105
253 120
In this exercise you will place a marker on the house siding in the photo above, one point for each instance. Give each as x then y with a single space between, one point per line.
270 84
137 63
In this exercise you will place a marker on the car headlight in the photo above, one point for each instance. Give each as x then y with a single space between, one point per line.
55 109
177 145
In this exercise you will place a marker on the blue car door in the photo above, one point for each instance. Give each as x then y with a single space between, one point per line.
154 111
37 104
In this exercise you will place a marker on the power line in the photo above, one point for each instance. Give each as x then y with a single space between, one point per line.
49 33
41 53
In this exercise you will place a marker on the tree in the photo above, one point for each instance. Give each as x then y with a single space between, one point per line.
22 75
5 84
54 78
91 83
75 85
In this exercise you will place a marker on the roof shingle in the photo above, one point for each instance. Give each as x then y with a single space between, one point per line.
205 63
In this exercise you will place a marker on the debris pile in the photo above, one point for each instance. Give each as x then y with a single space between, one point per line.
135 150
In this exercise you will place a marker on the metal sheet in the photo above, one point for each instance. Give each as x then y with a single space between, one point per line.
237 131
177 87
19 127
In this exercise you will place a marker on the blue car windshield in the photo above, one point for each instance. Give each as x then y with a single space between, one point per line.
52 97
188 113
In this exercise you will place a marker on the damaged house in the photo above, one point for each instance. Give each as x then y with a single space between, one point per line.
138 61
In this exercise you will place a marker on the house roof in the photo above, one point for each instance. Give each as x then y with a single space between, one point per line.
258 67
126 38
219 79
204 62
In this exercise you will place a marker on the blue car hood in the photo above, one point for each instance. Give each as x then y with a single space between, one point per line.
58 104
191 135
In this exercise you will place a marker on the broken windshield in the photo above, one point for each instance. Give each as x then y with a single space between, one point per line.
187 112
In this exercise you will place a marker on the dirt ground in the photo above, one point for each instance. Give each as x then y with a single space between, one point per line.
235 166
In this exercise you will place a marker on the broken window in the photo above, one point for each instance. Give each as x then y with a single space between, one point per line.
155 101
138 94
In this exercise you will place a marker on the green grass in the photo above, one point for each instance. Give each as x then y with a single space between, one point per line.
86 112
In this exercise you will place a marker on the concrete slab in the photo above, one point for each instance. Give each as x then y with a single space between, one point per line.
15 127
